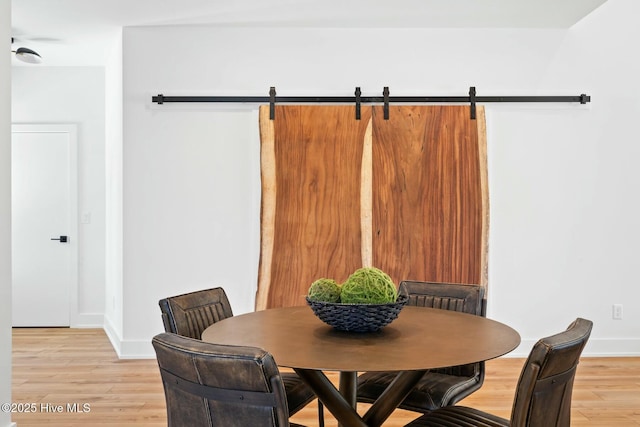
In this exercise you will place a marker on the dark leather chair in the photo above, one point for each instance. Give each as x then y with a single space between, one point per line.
443 386
543 393
219 385
190 314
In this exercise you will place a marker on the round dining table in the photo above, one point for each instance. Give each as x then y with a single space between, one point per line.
418 340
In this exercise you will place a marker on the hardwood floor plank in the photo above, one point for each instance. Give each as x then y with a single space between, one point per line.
65 366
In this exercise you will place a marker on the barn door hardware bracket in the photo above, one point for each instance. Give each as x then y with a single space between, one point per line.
385 95
272 102
472 99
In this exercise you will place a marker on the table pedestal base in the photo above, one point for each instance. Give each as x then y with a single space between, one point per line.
342 406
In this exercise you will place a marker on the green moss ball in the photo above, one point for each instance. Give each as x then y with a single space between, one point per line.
368 285
325 290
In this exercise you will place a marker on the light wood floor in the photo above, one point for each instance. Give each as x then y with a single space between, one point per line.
67 366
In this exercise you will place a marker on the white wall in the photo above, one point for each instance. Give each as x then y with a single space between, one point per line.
564 203
113 204
5 210
190 213
562 182
75 95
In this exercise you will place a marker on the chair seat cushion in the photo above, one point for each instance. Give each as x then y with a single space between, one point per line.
458 416
434 390
298 393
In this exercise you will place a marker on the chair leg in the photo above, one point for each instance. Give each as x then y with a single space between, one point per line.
320 414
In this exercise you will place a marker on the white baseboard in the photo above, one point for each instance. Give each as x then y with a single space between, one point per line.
132 349
88 320
128 349
596 347
113 335
612 347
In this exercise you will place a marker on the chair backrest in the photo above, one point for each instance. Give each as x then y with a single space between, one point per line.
455 297
543 393
446 296
209 384
190 314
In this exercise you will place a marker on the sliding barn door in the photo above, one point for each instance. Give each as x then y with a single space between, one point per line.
311 177
430 198
407 195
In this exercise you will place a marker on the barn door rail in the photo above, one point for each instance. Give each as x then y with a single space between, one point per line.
472 99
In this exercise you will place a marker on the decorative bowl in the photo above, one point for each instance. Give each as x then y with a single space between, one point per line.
358 317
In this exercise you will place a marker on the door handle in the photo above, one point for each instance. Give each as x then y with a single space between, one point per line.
62 239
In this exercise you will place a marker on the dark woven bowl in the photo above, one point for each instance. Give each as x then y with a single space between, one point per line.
357 317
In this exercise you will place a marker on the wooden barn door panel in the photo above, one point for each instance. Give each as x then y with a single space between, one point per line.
407 195
311 160
430 197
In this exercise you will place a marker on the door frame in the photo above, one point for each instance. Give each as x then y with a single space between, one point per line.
72 130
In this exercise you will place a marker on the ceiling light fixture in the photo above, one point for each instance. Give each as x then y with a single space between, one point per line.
27 55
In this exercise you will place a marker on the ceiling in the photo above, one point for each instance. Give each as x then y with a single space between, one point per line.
78 32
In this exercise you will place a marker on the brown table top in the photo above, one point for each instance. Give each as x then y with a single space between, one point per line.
420 338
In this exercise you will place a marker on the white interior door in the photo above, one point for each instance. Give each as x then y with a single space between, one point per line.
44 224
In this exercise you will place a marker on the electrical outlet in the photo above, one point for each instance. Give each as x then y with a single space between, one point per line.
86 218
617 311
